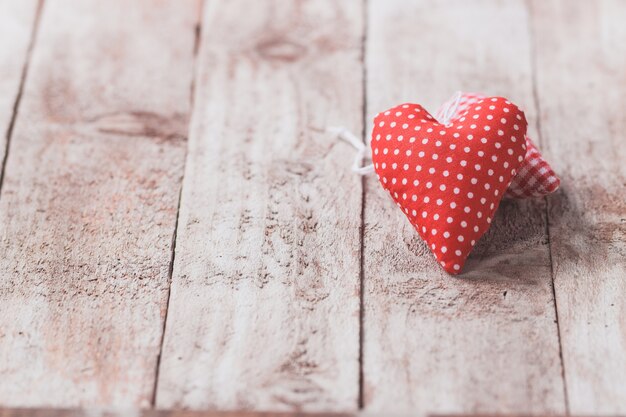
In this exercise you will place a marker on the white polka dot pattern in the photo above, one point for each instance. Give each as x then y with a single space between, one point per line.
535 177
449 179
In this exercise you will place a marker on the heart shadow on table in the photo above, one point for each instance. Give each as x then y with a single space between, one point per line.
519 239
516 242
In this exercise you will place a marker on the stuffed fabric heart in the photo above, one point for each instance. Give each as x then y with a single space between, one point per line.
535 177
449 179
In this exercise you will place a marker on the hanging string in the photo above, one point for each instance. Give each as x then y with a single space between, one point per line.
362 150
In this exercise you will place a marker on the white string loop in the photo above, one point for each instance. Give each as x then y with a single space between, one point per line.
362 150
448 111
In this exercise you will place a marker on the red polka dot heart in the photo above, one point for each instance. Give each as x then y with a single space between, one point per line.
449 179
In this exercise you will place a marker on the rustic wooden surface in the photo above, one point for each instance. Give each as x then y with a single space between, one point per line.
17 26
267 254
130 412
486 341
89 201
278 280
581 80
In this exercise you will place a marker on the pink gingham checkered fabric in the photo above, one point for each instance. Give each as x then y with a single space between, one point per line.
534 178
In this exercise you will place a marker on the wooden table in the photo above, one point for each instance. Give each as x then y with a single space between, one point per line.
178 230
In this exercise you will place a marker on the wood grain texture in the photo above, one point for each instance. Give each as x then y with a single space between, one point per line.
264 308
131 412
581 74
121 412
89 203
17 20
485 341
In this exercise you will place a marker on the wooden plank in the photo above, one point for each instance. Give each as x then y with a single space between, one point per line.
128 412
264 308
17 21
485 341
581 73
89 202
122 412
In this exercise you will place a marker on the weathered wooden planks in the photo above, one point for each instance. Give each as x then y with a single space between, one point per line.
486 341
89 202
129 412
581 74
17 20
264 307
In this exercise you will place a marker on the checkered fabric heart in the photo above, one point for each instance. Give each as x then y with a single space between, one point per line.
535 177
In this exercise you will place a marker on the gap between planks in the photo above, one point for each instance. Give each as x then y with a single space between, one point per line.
540 136
364 134
192 100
